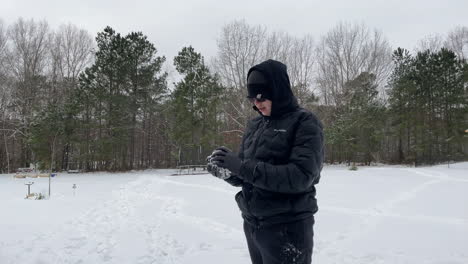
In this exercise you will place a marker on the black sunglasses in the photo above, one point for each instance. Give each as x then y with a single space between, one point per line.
253 99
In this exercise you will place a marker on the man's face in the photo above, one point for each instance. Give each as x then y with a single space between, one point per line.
264 107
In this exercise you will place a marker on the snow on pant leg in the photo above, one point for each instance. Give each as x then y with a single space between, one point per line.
254 252
286 243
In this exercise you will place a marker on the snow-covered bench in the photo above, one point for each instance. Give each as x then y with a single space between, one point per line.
191 169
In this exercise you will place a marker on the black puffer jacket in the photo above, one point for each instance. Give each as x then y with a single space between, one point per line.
281 157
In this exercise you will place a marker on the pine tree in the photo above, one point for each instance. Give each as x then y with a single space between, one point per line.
116 93
356 131
367 115
145 85
428 104
196 107
401 110
452 104
48 129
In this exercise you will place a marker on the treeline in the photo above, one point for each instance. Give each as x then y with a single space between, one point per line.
69 102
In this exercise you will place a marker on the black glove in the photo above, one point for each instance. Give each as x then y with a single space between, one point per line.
225 158
216 171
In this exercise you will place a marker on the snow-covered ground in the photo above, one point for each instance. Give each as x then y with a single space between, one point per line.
370 216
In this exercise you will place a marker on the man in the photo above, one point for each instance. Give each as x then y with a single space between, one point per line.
279 162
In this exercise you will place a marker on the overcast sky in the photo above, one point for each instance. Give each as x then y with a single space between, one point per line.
173 24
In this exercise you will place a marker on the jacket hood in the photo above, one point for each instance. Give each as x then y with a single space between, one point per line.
283 99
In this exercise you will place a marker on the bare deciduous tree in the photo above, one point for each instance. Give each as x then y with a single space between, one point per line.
346 51
4 93
29 48
239 47
3 45
278 46
432 43
27 61
4 102
457 41
71 51
301 61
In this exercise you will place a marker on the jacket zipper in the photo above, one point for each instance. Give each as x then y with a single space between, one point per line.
262 129
264 126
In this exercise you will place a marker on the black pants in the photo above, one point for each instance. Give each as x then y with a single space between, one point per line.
283 243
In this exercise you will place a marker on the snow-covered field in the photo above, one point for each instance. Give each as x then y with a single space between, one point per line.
373 215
